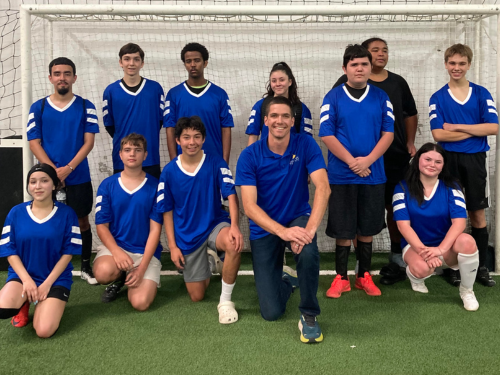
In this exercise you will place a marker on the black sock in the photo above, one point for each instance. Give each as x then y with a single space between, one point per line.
365 257
341 259
396 247
480 235
9 313
86 249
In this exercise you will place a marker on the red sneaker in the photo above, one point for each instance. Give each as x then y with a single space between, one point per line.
366 283
21 319
338 287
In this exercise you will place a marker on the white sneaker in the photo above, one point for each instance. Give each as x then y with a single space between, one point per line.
469 299
88 276
214 262
419 287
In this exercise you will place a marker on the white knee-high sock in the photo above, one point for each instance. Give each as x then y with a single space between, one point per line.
227 290
468 264
413 278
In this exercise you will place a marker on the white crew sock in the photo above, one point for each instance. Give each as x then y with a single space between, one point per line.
227 290
468 264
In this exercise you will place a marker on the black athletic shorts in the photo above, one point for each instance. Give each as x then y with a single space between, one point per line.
153 170
472 171
356 210
80 198
56 291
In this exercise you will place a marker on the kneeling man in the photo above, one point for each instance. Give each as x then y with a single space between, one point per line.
189 196
273 175
129 228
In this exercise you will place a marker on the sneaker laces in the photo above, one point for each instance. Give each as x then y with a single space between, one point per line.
310 320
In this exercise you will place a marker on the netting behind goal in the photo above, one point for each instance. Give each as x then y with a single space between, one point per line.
241 56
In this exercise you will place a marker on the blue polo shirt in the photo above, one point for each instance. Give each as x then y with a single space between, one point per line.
281 180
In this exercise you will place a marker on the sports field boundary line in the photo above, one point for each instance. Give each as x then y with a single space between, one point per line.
250 273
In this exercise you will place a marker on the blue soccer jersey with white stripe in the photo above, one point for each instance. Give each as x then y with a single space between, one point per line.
281 180
40 244
138 112
358 125
255 125
477 108
195 199
128 212
62 132
431 220
211 105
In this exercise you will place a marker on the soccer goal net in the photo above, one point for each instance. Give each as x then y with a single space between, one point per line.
245 39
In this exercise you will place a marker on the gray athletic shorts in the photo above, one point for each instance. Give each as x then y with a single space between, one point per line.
196 266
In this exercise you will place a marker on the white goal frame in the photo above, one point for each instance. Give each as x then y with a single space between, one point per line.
52 12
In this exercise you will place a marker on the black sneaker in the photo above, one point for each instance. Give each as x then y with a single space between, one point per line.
112 290
483 276
454 277
394 277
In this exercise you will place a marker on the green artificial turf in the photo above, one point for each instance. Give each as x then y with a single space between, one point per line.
401 332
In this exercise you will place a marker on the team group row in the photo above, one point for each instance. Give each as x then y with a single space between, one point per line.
368 123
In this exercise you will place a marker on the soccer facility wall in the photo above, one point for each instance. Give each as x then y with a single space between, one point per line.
244 41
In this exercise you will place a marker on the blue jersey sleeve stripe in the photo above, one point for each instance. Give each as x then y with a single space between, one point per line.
325 108
76 241
4 240
75 229
91 111
228 180
490 110
97 209
324 118
161 186
432 107
92 120
399 207
308 129
308 121
458 193
6 229
460 203
432 117
389 113
397 197
160 198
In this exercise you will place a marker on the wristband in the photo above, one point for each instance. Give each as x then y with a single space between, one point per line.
70 167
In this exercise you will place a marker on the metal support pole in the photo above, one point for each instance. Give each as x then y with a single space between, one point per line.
26 91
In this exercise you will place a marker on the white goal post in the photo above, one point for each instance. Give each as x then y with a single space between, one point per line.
298 15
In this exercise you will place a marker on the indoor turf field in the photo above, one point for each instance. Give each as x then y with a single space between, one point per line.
401 332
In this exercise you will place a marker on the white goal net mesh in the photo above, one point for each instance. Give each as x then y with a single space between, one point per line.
242 52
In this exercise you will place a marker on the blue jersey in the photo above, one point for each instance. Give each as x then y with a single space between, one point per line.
477 108
128 212
431 220
195 199
257 127
211 105
135 112
40 244
358 125
281 180
62 133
